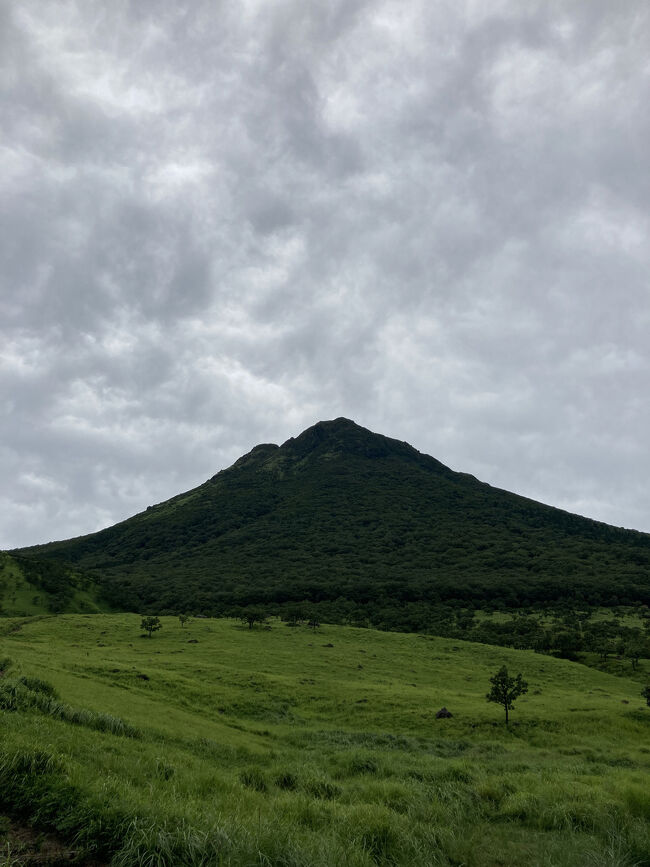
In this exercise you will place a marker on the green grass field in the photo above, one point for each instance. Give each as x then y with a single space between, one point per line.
285 746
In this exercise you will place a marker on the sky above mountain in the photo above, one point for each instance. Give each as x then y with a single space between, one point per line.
222 222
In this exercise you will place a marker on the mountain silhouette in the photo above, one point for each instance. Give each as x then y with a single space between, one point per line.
339 512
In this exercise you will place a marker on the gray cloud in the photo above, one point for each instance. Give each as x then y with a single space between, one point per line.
223 223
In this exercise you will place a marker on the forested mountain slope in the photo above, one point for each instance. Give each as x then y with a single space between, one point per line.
340 512
30 585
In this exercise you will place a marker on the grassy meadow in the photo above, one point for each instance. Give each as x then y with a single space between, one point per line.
215 744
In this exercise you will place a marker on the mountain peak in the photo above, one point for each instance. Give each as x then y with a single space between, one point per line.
341 436
332 428
325 440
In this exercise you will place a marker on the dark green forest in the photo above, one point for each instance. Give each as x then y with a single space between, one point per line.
346 518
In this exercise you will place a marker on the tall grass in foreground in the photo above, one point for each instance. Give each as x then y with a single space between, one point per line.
449 818
277 748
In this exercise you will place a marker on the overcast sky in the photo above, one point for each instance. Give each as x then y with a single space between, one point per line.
225 221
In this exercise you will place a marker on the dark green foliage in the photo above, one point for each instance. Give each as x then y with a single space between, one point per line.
50 576
636 648
645 692
505 689
293 614
365 525
252 615
150 625
59 587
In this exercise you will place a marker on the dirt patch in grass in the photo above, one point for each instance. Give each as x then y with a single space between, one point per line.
21 845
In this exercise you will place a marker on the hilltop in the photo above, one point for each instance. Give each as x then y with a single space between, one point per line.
344 515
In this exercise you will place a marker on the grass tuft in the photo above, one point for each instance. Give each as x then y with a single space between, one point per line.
34 694
253 778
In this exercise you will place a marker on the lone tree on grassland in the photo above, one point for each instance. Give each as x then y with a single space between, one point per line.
506 689
150 625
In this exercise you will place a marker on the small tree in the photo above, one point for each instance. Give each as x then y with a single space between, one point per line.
634 650
606 649
182 619
253 615
645 692
150 625
506 689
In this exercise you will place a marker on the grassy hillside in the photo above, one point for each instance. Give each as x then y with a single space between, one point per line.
341 513
29 586
216 744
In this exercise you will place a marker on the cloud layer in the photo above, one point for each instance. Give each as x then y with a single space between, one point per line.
224 222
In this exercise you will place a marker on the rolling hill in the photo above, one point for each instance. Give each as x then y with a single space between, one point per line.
346 516
32 586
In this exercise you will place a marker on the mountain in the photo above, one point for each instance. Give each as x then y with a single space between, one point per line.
341 513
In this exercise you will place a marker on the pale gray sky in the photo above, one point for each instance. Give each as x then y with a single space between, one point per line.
225 221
